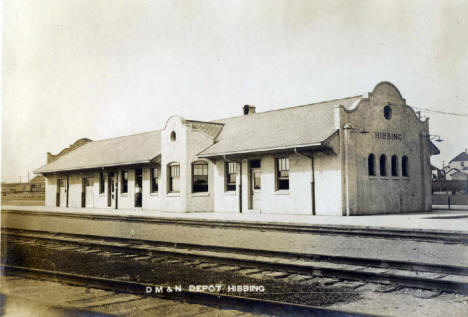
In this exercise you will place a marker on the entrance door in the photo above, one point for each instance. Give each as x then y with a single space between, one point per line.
89 196
62 193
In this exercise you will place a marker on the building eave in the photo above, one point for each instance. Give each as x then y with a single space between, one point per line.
92 167
264 150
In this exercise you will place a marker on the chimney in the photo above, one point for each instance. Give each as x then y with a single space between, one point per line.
248 109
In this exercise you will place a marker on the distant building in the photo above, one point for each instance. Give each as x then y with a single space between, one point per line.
35 185
351 156
458 167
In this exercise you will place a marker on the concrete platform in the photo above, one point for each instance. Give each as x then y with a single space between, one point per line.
440 219
249 232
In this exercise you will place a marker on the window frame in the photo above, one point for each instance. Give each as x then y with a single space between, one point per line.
394 165
201 167
154 186
282 164
383 167
124 181
371 165
404 166
173 167
101 182
230 169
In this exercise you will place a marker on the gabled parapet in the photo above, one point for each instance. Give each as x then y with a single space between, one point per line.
51 157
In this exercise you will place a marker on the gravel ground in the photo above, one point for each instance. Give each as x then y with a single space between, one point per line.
111 265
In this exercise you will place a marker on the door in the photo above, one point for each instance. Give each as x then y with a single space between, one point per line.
89 195
256 187
62 193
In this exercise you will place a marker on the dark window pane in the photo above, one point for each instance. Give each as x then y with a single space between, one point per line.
383 165
394 165
404 166
282 173
371 164
200 177
101 182
257 180
255 164
124 176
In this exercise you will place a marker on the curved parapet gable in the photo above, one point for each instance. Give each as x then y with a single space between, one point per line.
51 157
383 93
175 117
388 90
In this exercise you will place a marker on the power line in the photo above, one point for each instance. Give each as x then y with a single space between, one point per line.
443 112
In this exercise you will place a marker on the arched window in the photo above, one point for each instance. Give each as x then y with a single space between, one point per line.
173 170
383 165
199 177
404 166
371 164
394 165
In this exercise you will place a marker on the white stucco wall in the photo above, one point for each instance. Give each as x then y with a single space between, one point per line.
387 194
328 176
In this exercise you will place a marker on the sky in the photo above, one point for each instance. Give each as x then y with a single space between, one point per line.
100 69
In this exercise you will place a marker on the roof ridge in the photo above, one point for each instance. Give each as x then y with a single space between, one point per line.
124 136
290 107
209 122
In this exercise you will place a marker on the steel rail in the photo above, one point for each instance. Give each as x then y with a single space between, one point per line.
300 268
219 300
150 246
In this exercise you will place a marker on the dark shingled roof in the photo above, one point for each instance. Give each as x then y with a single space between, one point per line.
137 148
463 156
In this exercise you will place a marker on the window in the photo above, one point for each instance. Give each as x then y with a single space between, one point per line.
138 177
231 173
154 179
101 182
282 173
174 178
199 177
394 165
462 164
124 182
383 165
173 136
404 166
371 164
257 180
255 164
387 111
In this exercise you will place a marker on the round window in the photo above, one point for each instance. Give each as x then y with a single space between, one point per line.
173 136
387 112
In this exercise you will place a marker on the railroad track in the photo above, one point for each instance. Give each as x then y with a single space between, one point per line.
220 301
416 275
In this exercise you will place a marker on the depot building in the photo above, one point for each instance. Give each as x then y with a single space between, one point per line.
352 156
